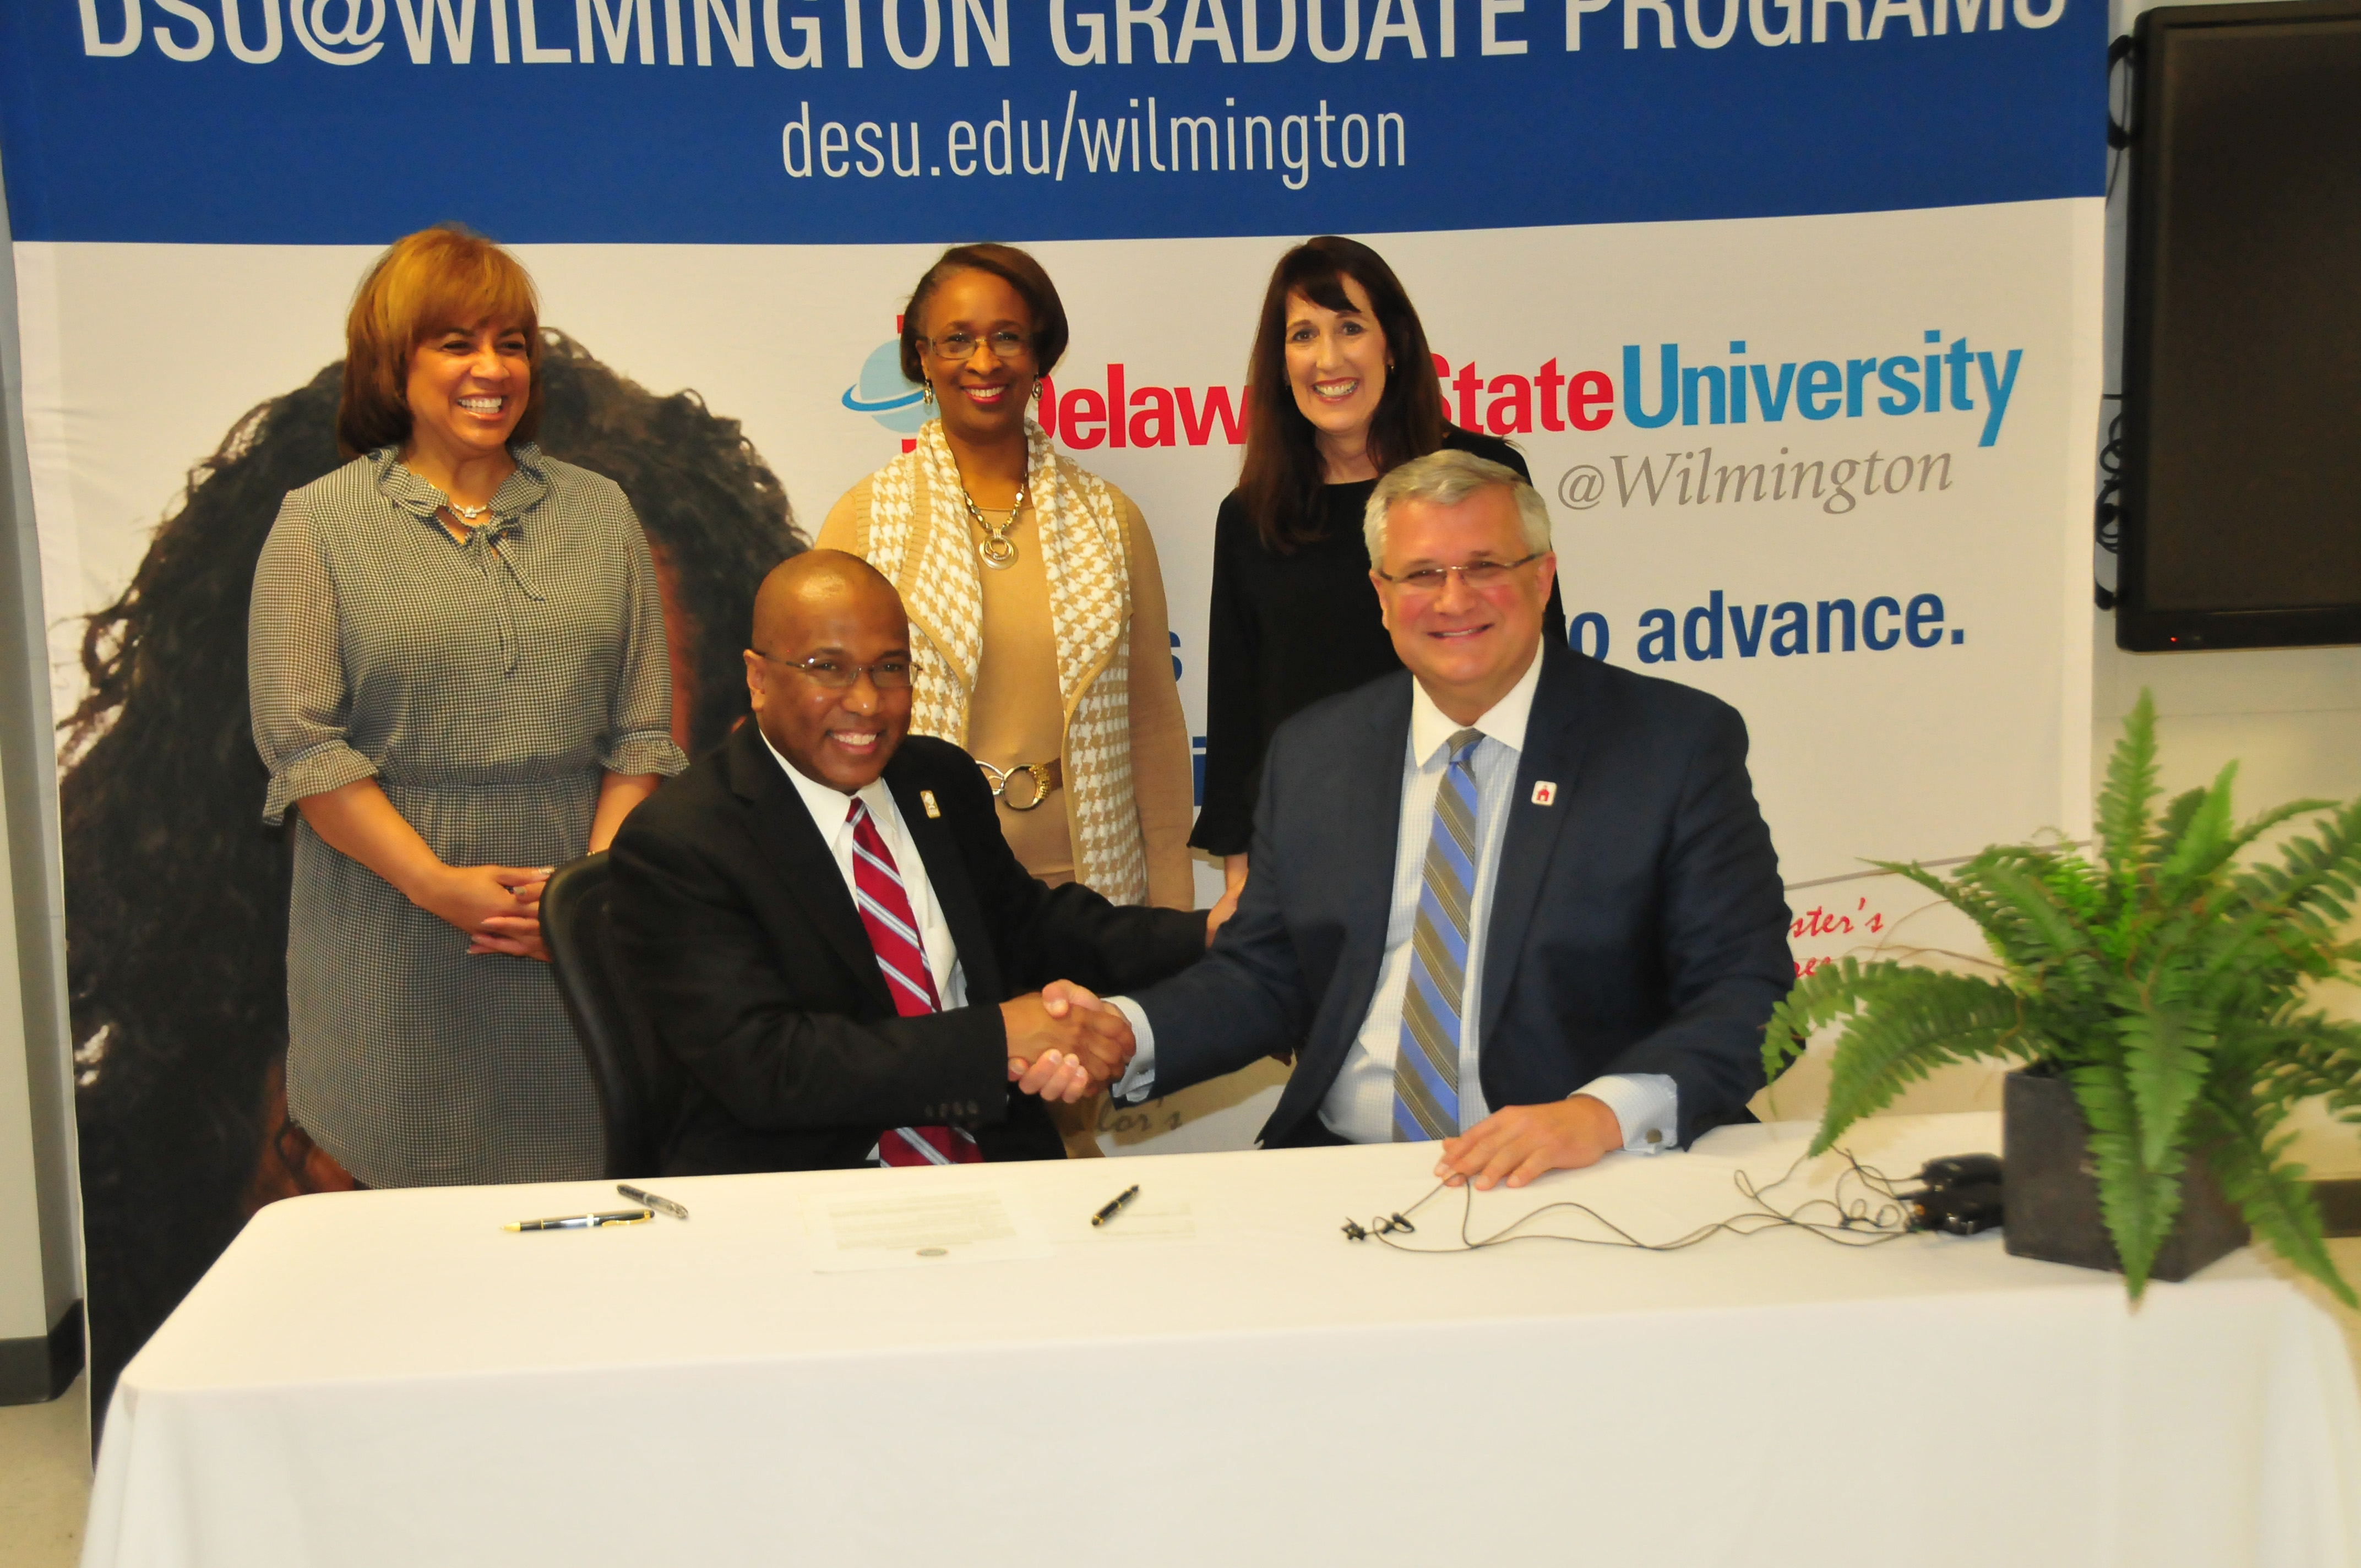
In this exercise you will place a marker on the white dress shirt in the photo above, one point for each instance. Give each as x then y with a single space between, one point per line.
831 809
1359 1106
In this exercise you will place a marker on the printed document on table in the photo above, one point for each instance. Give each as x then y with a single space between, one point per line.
918 1229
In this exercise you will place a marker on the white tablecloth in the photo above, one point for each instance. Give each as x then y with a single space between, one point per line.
389 1377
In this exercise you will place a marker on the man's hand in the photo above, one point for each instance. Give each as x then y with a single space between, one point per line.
1524 1141
1059 995
1068 1019
1052 1076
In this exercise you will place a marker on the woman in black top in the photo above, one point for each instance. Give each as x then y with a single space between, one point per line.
1294 617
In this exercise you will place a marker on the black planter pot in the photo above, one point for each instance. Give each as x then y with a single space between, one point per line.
2049 1190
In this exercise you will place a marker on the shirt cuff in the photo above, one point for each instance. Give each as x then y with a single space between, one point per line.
330 764
1647 1105
1138 1080
642 751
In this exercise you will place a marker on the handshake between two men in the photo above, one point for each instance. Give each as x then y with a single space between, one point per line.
1063 1042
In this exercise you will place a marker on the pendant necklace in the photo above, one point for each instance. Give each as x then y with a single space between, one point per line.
998 551
466 529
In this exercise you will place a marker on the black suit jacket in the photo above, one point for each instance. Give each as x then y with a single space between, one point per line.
756 975
1637 922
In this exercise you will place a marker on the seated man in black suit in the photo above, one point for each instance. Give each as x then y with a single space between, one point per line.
1512 899
829 936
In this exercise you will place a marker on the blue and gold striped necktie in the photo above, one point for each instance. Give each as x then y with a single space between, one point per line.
1426 1066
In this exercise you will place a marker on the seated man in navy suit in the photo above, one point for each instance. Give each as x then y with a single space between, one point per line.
1512 899
831 940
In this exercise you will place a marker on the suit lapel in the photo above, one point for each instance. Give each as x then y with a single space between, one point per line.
1364 791
1555 739
947 875
1372 793
807 867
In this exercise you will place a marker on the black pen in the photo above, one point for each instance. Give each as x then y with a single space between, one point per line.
1115 1204
584 1222
661 1205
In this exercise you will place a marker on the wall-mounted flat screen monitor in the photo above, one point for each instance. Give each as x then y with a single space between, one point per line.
2242 341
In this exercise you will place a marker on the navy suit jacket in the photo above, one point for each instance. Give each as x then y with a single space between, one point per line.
1637 924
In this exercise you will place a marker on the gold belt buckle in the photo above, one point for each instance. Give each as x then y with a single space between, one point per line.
1044 777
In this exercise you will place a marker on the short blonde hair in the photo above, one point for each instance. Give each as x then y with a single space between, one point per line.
424 282
1447 479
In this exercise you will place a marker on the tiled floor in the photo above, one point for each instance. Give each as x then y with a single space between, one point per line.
45 1456
44 1481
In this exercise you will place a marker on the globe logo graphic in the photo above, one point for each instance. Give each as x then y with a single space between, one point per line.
885 396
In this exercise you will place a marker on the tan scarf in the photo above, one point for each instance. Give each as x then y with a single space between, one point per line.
919 537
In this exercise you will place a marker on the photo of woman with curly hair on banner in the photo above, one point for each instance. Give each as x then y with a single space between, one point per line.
177 895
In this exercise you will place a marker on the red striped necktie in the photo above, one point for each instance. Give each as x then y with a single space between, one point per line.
884 907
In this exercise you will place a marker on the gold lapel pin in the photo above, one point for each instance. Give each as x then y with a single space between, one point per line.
1545 793
928 797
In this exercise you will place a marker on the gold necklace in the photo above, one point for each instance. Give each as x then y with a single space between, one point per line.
998 551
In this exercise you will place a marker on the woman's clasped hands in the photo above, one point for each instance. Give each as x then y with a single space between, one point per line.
498 906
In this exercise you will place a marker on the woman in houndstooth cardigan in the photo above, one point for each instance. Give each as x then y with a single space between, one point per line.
457 666
1036 606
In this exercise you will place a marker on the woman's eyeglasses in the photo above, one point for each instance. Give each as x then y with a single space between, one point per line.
959 347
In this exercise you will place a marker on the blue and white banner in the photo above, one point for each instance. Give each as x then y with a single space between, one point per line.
1793 305
669 121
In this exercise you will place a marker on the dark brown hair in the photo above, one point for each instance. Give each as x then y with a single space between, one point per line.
1012 267
424 282
1282 473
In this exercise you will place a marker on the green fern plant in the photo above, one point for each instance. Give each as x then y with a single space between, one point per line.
2163 978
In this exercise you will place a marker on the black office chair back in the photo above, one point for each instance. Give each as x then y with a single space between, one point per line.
578 927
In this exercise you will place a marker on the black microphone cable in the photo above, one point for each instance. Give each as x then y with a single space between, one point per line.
1961 1196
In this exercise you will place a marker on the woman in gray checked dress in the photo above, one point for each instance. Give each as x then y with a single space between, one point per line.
457 669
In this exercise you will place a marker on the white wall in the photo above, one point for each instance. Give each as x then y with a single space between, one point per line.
24 1294
40 1223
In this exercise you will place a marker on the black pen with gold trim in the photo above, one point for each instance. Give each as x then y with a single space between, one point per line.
1115 1204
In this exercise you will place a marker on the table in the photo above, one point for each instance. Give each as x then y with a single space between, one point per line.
389 1377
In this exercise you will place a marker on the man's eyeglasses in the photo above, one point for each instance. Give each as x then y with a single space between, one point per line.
886 675
1478 575
959 347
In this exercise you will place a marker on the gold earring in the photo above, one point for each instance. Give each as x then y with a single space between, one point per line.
929 394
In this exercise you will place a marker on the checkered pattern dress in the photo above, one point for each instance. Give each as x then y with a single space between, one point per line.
488 686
